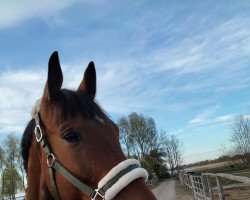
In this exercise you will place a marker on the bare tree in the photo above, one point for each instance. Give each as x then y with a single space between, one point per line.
174 151
240 136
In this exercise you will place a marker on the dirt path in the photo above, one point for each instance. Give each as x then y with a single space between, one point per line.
165 191
171 190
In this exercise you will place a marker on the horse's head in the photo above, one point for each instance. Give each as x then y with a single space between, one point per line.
83 140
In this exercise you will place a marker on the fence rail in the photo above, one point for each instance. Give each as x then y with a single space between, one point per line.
200 186
229 176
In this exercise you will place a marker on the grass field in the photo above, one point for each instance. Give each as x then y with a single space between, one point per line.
240 170
232 189
205 168
242 193
243 172
225 181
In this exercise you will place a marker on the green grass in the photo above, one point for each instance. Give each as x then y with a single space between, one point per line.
244 172
224 181
227 170
241 170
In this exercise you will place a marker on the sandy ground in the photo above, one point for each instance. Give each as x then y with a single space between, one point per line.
165 191
171 190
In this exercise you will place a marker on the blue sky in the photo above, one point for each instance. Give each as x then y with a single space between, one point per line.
184 63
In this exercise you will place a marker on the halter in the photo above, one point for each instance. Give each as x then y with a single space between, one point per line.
109 186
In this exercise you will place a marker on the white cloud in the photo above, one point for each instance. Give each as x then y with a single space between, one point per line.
18 92
224 118
215 48
206 119
205 123
14 11
204 115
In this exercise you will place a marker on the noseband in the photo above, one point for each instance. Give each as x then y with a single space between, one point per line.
109 186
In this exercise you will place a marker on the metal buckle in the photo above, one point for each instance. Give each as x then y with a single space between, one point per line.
51 160
97 193
38 133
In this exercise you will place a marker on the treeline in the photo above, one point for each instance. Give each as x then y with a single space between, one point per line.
11 168
234 159
159 152
228 159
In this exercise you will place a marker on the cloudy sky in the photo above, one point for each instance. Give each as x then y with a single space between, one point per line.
186 63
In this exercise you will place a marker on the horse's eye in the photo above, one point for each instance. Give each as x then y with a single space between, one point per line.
71 136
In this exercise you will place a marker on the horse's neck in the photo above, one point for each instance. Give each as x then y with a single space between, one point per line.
37 188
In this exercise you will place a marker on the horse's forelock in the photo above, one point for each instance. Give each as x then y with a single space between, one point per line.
71 104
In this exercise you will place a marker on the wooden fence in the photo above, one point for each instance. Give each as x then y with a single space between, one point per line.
200 185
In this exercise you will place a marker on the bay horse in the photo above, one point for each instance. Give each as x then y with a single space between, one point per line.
71 148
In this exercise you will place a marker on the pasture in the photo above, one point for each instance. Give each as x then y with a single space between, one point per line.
222 167
241 193
233 189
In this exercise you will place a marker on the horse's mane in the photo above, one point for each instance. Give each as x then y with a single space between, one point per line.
69 105
26 142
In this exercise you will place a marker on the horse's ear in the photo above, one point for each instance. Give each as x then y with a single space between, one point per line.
55 77
88 84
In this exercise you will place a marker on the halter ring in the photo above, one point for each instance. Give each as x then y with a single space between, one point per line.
51 160
38 133
97 193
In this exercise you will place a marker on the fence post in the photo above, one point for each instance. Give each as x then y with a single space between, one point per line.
181 178
192 185
205 186
210 189
220 188
190 188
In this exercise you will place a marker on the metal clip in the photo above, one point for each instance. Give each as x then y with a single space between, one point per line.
51 160
38 133
97 193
